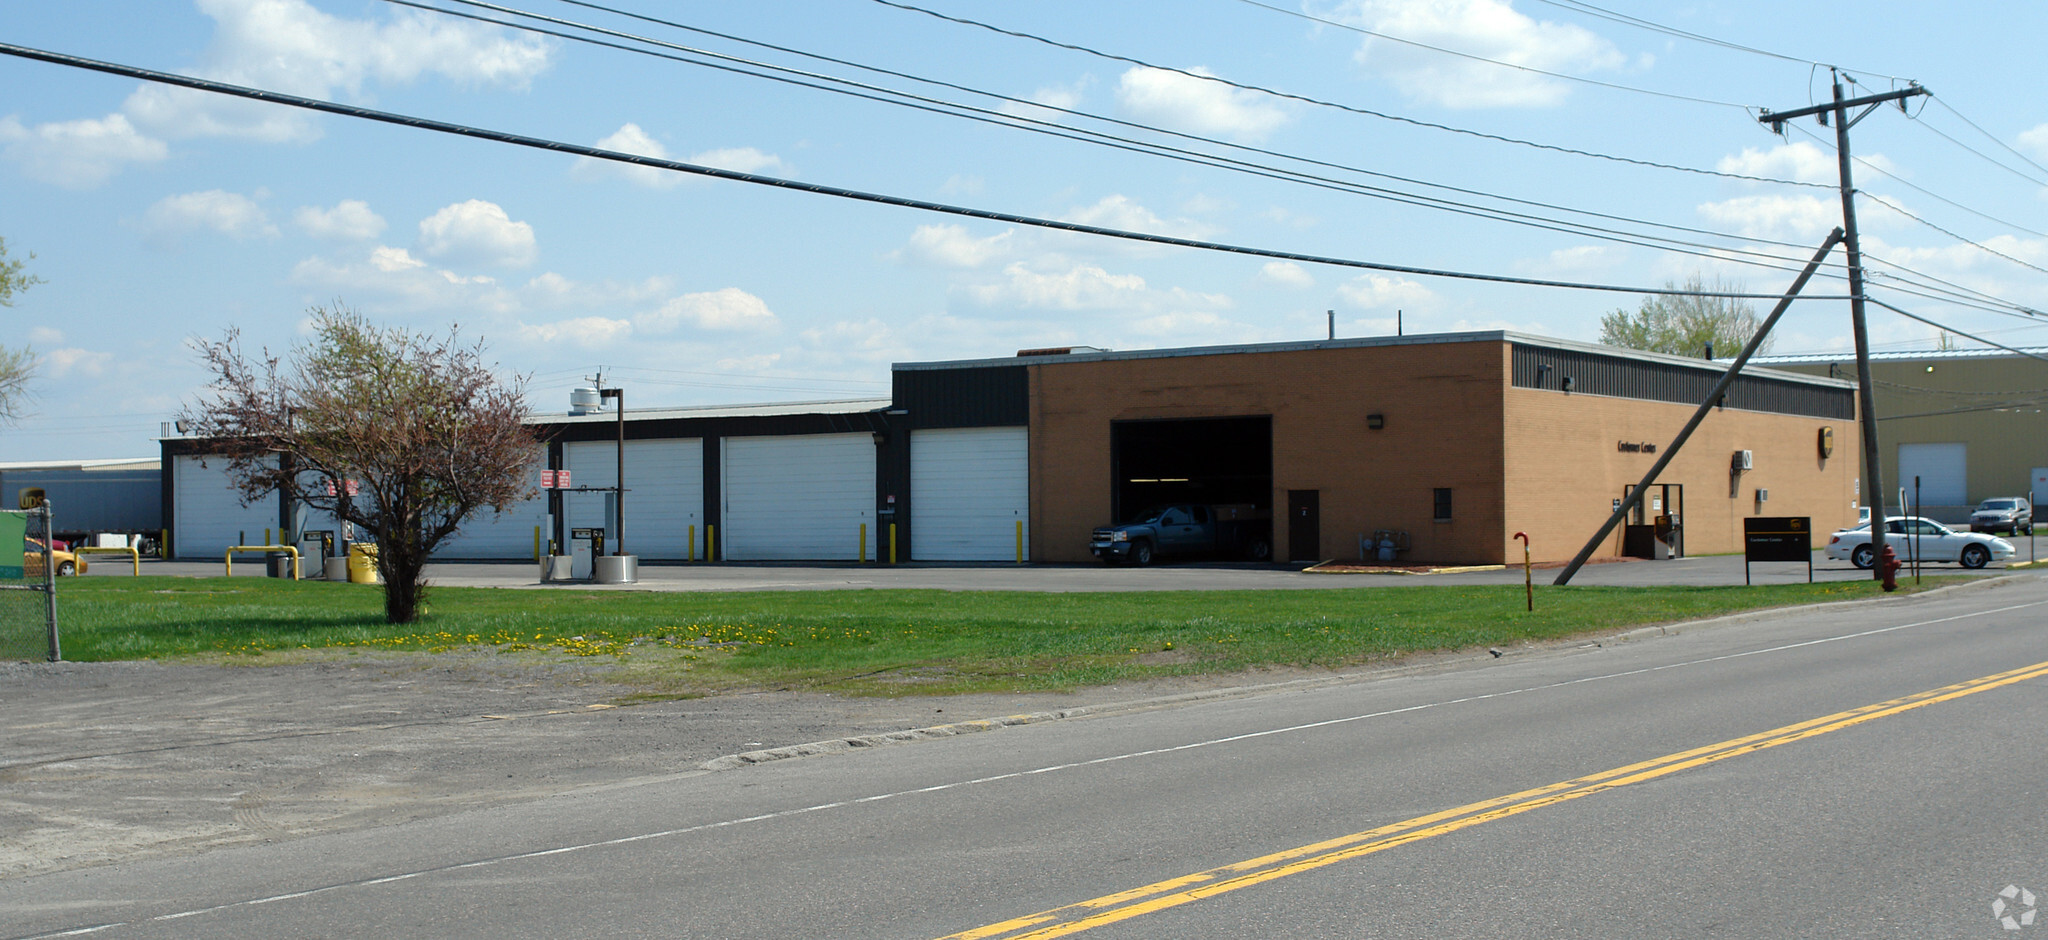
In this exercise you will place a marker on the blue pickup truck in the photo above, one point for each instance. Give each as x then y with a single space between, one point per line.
1187 529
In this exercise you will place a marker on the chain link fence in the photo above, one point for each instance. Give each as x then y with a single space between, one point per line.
28 586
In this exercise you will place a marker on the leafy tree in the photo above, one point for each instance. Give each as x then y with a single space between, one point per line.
17 366
1683 325
430 433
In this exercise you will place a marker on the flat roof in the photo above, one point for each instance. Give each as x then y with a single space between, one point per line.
835 407
1416 339
1919 355
110 463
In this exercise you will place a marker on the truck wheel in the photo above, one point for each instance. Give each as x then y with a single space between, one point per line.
1141 553
1259 550
1975 556
1863 557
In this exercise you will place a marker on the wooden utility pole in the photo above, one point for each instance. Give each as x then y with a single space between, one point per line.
1873 476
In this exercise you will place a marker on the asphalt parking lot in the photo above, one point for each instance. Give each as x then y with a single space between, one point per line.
1193 576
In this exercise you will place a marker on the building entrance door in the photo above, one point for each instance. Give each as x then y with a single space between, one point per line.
1304 525
1657 527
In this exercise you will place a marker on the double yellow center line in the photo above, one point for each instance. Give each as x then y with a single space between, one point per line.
1124 905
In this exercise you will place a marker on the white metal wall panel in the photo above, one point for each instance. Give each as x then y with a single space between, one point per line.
507 534
798 497
207 512
1943 470
664 493
969 489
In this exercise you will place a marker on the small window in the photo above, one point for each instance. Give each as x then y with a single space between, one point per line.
1174 517
1443 503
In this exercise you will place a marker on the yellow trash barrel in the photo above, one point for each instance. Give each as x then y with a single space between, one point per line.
362 563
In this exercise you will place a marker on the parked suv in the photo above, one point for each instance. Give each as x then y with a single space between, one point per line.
2011 515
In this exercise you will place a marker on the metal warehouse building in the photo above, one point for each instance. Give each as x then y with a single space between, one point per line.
1457 441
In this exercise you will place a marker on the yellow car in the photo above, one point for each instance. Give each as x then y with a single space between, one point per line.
66 562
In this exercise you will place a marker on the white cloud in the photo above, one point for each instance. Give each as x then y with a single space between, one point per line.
551 290
1796 161
45 335
1198 105
349 220
2035 140
950 245
1286 274
957 185
61 363
1373 291
1488 29
1579 259
582 332
477 232
1063 97
629 138
725 309
388 259
1796 218
1081 287
288 45
1119 212
230 214
744 160
77 154
868 341
406 283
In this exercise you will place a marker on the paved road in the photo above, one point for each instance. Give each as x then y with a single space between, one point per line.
1868 770
1711 570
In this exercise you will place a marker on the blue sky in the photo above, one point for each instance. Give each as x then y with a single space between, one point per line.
157 215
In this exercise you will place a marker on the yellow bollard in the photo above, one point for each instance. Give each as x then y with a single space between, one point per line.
693 542
892 543
536 545
863 543
1020 541
710 543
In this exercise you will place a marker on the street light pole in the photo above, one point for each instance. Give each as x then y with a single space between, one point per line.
619 481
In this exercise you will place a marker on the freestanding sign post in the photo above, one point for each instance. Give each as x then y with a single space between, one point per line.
1777 538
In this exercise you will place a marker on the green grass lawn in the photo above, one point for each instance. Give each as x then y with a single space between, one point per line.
874 642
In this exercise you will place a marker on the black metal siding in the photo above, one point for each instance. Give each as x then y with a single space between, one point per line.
967 397
1622 377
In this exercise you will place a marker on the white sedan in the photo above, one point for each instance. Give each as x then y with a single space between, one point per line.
1931 541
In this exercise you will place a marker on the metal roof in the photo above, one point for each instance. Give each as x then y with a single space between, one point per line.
114 463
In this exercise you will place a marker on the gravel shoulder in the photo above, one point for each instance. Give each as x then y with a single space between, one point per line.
108 762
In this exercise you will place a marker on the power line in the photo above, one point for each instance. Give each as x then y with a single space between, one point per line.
1009 99
1881 171
556 146
1053 129
1479 58
1579 6
1974 244
1345 107
1979 154
1988 135
1941 326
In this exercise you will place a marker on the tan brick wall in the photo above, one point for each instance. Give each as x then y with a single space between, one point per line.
1564 469
1442 404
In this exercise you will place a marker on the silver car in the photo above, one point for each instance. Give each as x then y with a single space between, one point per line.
2011 515
1911 536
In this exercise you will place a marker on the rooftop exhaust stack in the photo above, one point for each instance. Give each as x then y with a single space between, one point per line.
583 401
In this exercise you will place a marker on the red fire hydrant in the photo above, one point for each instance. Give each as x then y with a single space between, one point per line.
1888 563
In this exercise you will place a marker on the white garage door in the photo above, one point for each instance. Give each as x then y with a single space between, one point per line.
798 497
508 534
664 493
207 511
1943 470
969 489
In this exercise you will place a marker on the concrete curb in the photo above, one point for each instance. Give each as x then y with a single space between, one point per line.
955 729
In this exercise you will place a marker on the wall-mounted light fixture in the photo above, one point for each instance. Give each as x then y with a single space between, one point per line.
1375 421
1566 384
1827 443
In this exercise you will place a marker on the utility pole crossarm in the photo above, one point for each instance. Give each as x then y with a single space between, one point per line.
1777 119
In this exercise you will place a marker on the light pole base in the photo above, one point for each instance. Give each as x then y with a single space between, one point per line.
615 569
